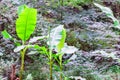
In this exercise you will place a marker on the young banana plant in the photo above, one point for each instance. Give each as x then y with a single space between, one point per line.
25 25
56 41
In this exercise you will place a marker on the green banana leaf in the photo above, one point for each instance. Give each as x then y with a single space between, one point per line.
26 23
62 41
6 35
57 38
109 13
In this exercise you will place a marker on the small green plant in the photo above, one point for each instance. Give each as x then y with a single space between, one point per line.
56 42
25 25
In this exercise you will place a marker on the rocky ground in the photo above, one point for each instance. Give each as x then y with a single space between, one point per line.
89 30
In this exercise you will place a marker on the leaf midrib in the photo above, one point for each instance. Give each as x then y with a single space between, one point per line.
26 23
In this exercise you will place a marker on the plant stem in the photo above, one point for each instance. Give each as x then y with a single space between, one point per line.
50 57
60 72
51 70
60 67
51 63
22 63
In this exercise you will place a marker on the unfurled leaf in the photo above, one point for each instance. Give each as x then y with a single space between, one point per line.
34 39
109 13
6 35
19 48
32 52
106 10
26 23
57 38
69 49
62 41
